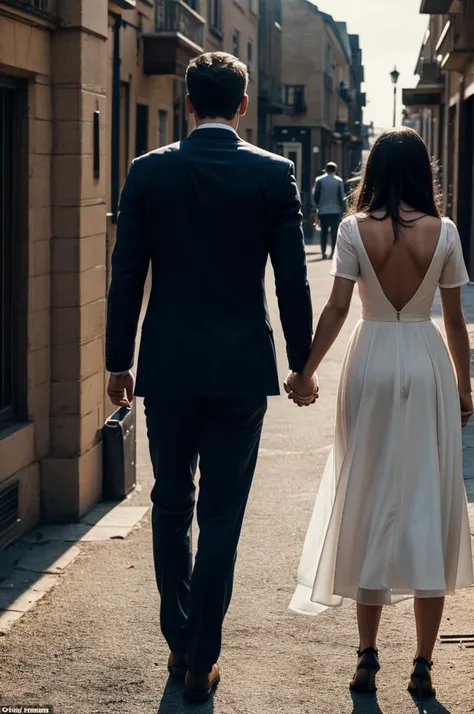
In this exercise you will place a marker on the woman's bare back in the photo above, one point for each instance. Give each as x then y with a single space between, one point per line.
400 265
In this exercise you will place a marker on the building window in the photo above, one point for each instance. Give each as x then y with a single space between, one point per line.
249 135
193 3
162 128
13 287
328 105
294 98
141 130
215 14
328 59
250 56
236 43
180 113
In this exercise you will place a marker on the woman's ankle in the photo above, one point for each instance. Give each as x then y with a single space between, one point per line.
367 645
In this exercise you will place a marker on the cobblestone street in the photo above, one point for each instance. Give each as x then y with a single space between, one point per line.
93 645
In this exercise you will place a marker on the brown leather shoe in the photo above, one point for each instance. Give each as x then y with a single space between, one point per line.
178 666
200 687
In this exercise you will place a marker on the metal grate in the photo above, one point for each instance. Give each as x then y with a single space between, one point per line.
466 641
9 507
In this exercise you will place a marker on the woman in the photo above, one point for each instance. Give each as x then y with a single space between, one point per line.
391 519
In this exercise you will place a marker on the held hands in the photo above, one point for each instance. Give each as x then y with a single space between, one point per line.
302 390
120 389
467 409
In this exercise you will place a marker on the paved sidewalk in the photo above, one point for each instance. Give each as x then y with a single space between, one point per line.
93 646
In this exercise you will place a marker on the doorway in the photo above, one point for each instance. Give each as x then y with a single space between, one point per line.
13 251
293 151
465 180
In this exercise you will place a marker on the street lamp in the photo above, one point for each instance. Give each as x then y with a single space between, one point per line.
395 74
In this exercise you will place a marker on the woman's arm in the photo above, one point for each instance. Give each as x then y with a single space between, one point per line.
458 337
301 387
459 347
330 323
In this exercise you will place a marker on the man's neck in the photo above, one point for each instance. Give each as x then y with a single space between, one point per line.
233 124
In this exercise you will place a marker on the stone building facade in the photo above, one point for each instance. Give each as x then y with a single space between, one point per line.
270 97
322 97
441 107
53 83
84 88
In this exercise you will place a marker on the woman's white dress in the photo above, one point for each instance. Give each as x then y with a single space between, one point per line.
391 519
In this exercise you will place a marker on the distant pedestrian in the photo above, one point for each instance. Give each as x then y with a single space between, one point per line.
330 200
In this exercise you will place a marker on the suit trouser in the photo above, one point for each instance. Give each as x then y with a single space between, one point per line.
329 222
225 435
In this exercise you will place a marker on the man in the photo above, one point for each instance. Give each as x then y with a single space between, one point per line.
206 212
330 200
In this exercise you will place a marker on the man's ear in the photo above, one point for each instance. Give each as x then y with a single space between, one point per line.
189 105
244 105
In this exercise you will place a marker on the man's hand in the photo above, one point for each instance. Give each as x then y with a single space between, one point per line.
301 389
120 389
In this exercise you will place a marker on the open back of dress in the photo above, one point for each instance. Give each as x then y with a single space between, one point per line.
390 519
401 264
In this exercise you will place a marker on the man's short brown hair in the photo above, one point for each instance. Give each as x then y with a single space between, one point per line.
217 82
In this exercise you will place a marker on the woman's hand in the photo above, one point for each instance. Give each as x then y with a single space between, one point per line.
301 389
467 408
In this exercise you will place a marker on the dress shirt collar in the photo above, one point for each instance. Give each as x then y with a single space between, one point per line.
217 125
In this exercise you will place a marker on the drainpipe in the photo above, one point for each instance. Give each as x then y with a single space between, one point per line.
115 149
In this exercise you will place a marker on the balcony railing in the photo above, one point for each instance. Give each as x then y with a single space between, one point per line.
125 4
430 72
456 45
175 16
178 37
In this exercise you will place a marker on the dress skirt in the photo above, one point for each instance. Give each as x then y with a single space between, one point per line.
390 519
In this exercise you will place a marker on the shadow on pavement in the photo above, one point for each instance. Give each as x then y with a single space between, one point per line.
365 704
429 706
172 701
317 259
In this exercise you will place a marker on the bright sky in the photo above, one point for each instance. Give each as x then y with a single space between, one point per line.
391 33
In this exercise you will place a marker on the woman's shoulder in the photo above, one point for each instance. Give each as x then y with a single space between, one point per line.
449 223
451 228
346 227
351 219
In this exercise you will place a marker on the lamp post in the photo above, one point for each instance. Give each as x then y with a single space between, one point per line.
395 74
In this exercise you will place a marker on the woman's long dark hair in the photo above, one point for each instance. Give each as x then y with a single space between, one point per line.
398 171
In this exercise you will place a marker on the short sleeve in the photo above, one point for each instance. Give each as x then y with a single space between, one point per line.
454 272
345 263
